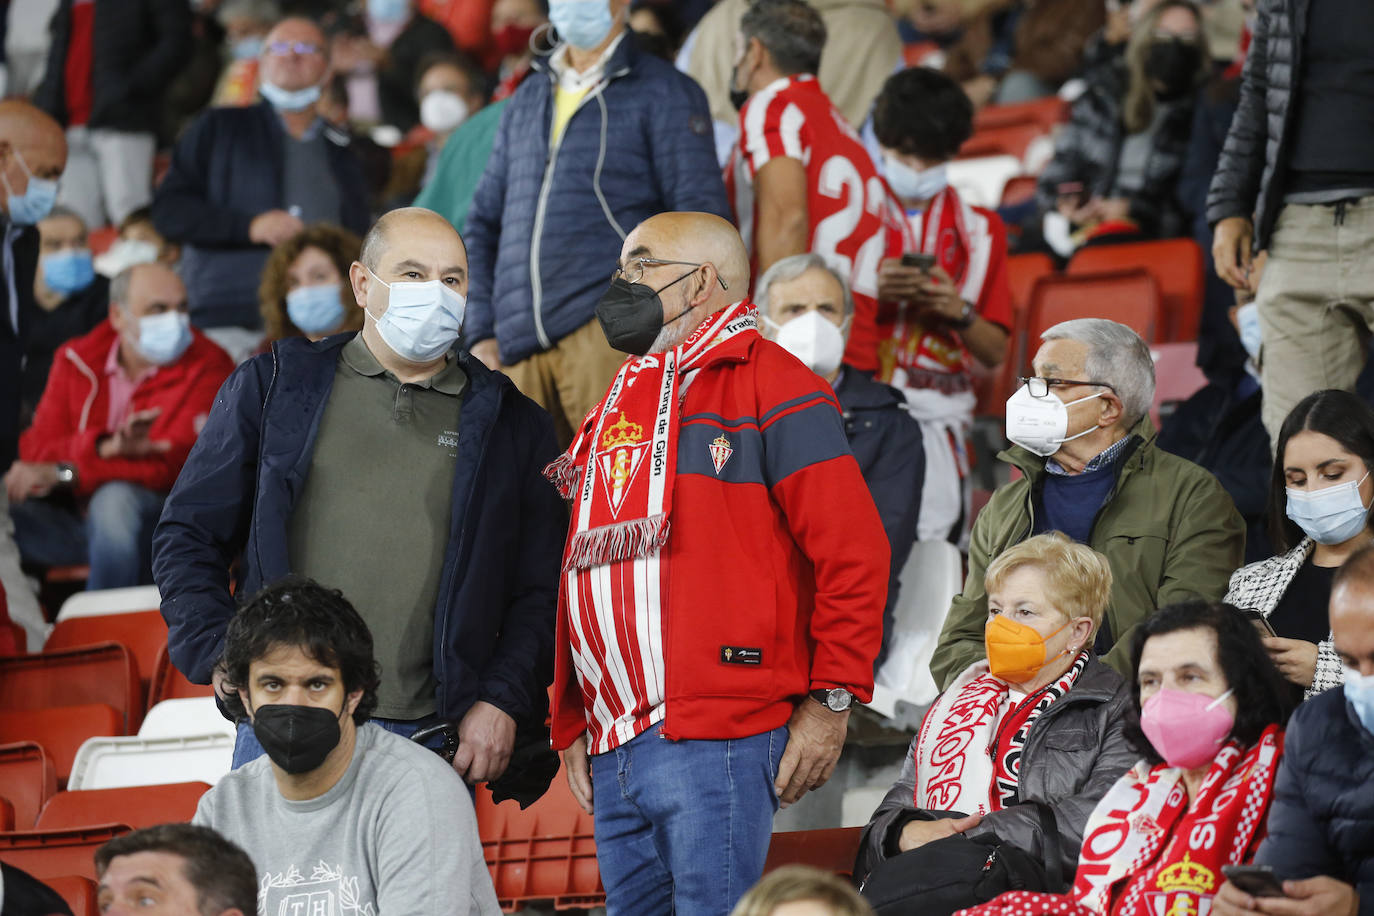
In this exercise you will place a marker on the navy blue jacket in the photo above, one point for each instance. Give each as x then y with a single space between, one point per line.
1321 821
545 228
227 169
494 616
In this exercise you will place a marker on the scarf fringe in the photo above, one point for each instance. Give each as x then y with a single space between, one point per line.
565 474
621 541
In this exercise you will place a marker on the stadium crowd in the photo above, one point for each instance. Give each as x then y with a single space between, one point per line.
582 397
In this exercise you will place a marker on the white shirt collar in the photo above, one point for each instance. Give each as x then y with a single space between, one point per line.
569 79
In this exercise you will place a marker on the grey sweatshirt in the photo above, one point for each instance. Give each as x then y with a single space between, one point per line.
396 836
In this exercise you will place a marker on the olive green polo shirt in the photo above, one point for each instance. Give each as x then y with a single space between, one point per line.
372 519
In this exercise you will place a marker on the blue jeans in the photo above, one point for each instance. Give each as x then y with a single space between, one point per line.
247 748
683 826
115 537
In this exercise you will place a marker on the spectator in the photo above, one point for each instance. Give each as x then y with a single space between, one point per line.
935 319
33 152
244 24
468 24
244 180
139 242
119 415
375 158
391 820
807 310
304 290
383 55
772 528
1289 162
108 67
801 179
191 90
657 27
449 89
1319 827
1038 720
25 895
175 870
1211 711
26 38
1085 447
514 24
71 299
1118 159
317 498
1320 498
800 890
602 138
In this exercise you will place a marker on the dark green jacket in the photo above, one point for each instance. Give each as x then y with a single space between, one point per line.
1168 529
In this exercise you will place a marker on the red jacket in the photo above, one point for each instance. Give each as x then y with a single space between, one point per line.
75 405
780 551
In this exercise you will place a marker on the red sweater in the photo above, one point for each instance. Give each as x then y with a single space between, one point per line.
782 552
72 413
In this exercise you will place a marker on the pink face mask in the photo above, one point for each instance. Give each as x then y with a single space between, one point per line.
1185 728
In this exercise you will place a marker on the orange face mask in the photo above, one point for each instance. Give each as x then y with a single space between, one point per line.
1016 652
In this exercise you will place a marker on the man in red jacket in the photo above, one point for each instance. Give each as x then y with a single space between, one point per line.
121 409
723 583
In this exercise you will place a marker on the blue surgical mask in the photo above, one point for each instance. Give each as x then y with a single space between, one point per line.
289 99
422 320
315 309
246 48
1248 325
69 271
1332 515
1359 690
163 338
36 202
910 184
388 10
581 23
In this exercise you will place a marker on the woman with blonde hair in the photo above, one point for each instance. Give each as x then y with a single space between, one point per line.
800 890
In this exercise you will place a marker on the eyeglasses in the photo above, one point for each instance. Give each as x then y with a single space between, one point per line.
1040 386
634 271
299 48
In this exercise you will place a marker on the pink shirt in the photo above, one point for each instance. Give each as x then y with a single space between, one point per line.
121 388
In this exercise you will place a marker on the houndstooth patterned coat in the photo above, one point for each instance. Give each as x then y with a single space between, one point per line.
1261 585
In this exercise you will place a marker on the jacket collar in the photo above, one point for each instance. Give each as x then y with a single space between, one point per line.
621 62
860 391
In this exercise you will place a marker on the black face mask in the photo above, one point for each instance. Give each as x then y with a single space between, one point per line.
631 314
1171 66
737 96
297 738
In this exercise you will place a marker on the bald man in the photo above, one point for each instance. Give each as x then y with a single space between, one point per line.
118 416
244 180
394 467
723 582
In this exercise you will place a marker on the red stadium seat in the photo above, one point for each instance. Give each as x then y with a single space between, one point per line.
1019 190
60 730
832 850
1044 113
1128 296
143 633
28 778
1177 377
57 853
170 684
1011 140
994 387
80 893
71 677
137 806
101 238
1178 267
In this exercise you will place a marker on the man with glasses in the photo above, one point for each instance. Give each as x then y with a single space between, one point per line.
246 179
1090 468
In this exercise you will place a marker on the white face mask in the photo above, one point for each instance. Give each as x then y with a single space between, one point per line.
124 254
1041 425
813 339
422 320
442 111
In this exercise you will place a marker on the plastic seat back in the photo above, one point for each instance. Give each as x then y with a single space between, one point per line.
1044 113
170 684
185 717
28 778
110 601
103 673
995 386
1130 297
137 806
833 850
81 894
1177 377
109 763
60 730
1010 140
980 180
1177 265
57 853
932 576
143 633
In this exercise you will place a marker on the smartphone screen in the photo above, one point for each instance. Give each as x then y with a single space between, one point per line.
1255 880
918 260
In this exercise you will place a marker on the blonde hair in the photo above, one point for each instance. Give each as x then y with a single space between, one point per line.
792 883
1138 108
1078 580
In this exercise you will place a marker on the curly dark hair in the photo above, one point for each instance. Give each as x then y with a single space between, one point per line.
339 244
922 112
221 873
299 612
1263 697
1339 414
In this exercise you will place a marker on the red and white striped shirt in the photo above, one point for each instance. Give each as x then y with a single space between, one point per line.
855 218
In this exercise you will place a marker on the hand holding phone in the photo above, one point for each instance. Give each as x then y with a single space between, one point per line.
1255 880
919 260
1260 621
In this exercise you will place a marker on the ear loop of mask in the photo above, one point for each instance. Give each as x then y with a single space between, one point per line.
1066 407
1218 700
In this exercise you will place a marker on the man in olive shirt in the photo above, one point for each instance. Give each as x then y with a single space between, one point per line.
393 467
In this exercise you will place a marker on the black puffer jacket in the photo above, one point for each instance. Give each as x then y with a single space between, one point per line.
1249 175
1322 818
1076 750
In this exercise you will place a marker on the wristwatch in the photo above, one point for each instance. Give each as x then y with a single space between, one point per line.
966 317
835 699
66 474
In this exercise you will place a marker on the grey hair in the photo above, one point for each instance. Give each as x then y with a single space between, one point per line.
66 212
791 30
119 286
261 10
792 267
1117 357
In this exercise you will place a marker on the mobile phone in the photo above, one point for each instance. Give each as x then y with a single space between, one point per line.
1260 621
1255 880
918 260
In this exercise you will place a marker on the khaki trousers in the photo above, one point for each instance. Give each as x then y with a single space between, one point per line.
569 380
1316 304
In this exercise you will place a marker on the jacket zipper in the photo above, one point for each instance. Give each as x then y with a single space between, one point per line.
262 449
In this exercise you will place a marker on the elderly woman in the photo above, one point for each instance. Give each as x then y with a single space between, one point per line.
1211 711
1038 720
304 290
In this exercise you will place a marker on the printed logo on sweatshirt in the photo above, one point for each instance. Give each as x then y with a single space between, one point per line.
325 892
